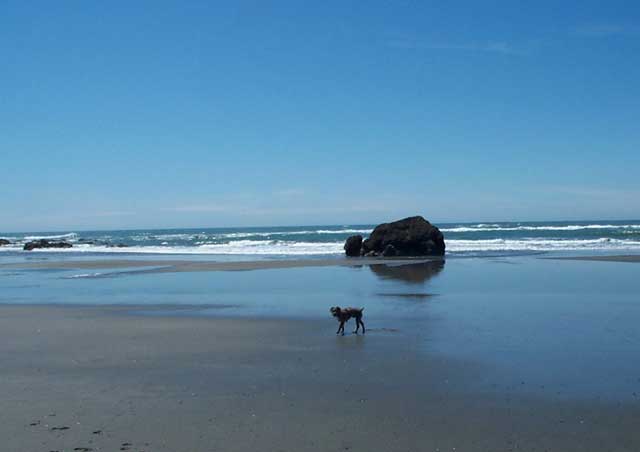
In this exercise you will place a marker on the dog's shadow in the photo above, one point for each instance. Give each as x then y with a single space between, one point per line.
383 330
359 338
351 341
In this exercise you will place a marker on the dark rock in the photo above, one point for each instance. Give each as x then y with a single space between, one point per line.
353 245
45 244
389 251
413 236
6 242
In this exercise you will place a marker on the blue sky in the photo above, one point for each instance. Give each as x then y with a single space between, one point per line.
178 114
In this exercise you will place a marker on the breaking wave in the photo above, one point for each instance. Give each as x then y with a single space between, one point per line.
70 236
541 245
461 238
291 248
574 227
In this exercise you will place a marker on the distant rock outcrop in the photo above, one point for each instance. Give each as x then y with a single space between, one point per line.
42 243
84 241
4 242
413 236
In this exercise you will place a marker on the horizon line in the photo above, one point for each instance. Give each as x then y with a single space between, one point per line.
79 230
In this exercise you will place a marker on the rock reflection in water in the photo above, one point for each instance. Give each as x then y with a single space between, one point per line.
411 273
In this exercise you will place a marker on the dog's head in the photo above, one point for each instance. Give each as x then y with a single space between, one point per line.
335 311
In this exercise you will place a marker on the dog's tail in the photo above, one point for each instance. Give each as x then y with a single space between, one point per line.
361 309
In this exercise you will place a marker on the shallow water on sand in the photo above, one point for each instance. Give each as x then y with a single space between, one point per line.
548 327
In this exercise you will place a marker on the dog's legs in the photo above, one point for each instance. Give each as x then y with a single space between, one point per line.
357 326
361 323
341 328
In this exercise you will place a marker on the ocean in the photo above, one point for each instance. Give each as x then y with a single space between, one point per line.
463 239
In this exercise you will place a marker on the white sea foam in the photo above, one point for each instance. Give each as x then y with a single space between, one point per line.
175 236
576 227
239 235
278 247
240 247
83 276
274 247
541 245
12 247
344 231
69 236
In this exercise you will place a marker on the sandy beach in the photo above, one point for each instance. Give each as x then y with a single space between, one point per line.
471 355
90 378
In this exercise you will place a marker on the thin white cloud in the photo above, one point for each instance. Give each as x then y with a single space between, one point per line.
605 31
500 47
596 192
289 192
200 208
110 214
261 211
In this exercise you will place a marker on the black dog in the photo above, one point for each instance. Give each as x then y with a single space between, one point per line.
343 315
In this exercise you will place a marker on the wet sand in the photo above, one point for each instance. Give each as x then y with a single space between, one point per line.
621 258
145 266
176 266
102 379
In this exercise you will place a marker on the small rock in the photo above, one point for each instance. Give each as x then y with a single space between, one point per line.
353 245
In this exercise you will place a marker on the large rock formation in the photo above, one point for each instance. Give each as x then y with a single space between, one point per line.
4 242
413 236
42 243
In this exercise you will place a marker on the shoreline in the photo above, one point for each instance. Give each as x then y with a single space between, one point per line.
139 266
633 258
176 266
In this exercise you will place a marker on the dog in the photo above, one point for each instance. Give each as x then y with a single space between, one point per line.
343 315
